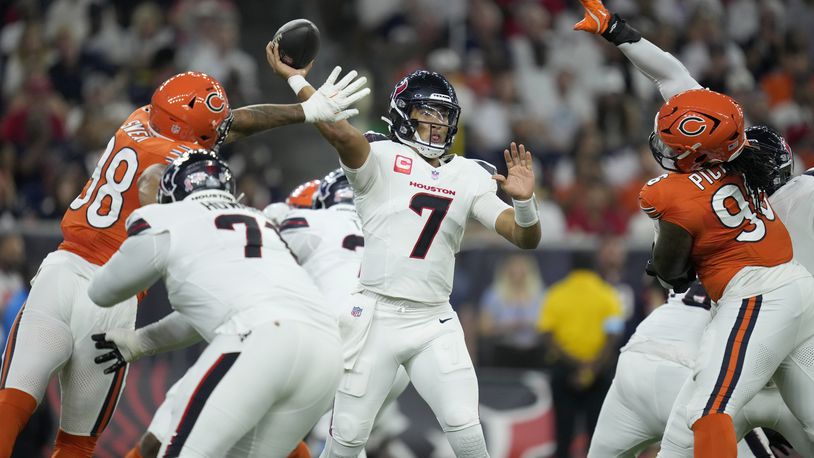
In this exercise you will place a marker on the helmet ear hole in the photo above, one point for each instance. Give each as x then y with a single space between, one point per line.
701 159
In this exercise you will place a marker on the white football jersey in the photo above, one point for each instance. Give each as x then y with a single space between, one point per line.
672 331
328 244
793 204
413 217
226 259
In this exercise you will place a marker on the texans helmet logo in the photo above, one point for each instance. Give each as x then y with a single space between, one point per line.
400 88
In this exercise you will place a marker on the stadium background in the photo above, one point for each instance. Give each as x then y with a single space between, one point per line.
72 70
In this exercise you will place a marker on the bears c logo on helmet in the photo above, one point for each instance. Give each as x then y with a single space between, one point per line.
214 101
692 126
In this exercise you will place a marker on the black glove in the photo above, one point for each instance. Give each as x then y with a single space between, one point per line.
679 285
618 32
102 343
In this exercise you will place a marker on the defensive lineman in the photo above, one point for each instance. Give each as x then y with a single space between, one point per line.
721 225
414 200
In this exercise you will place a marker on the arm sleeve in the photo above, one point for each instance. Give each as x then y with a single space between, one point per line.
669 74
172 332
487 207
362 179
139 262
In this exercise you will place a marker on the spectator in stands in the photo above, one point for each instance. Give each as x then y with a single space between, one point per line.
13 289
580 323
13 293
509 310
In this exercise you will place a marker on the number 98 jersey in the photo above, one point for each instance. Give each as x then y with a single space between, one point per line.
728 232
93 226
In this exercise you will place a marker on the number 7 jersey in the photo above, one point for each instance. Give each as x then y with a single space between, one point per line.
413 218
93 226
728 232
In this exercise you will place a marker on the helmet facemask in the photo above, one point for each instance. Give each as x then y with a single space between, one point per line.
429 118
769 141
223 132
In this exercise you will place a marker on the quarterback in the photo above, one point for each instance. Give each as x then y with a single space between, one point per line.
414 199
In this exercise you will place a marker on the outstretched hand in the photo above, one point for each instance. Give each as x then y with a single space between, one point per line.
596 19
519 180
332 101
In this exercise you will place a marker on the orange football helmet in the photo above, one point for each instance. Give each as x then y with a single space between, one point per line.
696 129
304 195
191 107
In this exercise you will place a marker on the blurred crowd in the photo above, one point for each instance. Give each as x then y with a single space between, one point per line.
73 69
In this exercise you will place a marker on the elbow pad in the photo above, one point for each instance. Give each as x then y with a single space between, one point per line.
619 32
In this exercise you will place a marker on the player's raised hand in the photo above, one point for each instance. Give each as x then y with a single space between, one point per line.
519 180
332 100
596 19
279 67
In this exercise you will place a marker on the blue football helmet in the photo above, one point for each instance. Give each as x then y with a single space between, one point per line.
334 189
195 171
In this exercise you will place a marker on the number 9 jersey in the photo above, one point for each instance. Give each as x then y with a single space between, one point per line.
729 233
93 226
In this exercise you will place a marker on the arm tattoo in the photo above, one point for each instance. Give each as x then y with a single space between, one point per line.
252 119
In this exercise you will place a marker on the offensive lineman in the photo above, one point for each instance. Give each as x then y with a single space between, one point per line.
232 282
327 242
52 332
414 199
713 216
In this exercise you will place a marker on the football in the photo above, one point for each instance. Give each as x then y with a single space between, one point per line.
298 42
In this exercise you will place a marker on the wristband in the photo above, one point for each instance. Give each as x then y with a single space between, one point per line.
619 32
297 82
525 212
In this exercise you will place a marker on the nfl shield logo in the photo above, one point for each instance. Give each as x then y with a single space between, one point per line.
435 174
356 312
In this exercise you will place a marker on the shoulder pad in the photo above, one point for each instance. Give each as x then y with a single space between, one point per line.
296 222
140 220
137 226
491 169
375 136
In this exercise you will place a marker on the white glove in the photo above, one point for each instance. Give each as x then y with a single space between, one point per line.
276 212
125 347
330 102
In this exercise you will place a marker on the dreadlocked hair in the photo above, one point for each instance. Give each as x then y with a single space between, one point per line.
756 165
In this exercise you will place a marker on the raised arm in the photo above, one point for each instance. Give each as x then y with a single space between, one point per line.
661 67
349 142
253 119
520 223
